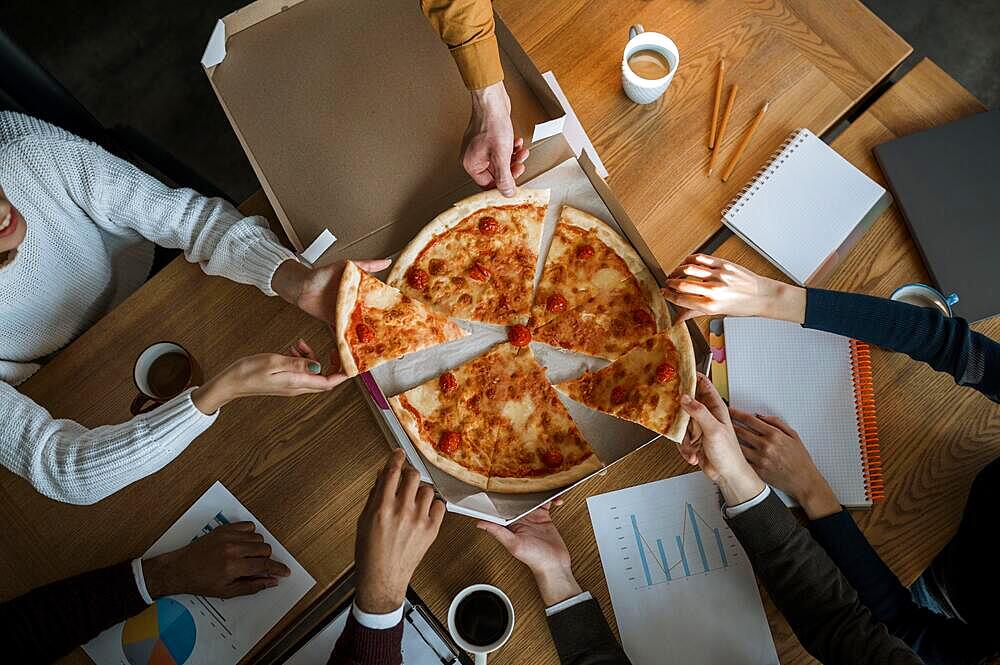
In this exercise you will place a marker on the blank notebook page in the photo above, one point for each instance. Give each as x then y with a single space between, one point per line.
804 377
803 206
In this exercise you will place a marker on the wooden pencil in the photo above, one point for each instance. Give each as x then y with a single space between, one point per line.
718 99
746 141
722 126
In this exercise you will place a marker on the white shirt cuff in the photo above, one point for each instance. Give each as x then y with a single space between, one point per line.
568 603
377 621
140 581
747 505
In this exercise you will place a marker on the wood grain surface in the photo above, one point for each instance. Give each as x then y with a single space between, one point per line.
813 60
935 435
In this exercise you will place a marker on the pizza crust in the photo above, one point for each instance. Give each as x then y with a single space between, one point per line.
546 483
688 374
608 236
429 453
347 298
452 216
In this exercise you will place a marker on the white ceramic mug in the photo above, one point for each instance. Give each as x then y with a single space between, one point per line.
638 89
480 651
147 398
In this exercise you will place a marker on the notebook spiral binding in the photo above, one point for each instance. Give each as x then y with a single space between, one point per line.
864 397
776 159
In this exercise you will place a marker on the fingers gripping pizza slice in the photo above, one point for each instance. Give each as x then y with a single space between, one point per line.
596 296
496 423
375 323
644 385
476 261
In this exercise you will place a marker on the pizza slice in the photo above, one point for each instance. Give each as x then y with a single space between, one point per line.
644 385
375 323
496 424
596 296
447 420
476 261
538 446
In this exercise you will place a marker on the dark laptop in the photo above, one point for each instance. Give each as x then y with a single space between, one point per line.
946 181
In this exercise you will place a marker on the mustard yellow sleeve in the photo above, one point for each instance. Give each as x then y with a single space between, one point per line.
467 27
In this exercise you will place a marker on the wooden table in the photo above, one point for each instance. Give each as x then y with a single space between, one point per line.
813 60
935 436
304 466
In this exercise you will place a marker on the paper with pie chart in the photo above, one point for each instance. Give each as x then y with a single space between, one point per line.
197 630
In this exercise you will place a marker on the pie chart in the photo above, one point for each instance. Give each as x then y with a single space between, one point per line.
163 634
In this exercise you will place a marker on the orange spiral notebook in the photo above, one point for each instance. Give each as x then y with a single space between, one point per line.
821 385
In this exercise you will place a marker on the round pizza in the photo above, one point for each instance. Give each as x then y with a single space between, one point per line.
375 323
595 296
476 261
645 384
497 424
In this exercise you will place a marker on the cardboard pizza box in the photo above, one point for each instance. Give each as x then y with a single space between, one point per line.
352 114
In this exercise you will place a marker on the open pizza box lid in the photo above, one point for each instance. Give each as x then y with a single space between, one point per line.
351 113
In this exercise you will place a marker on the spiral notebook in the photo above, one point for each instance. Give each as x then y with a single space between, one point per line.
820 384
806 207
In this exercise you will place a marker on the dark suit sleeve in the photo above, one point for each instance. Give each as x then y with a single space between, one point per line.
819 604
359 645
935 638
946 344
49 622
582 636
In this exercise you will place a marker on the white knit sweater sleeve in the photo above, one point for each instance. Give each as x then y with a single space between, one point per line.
118 196
69 462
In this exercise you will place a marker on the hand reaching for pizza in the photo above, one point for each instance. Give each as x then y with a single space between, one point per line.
704 284
397 526
314 290
490 155
778 455
534 540
717 451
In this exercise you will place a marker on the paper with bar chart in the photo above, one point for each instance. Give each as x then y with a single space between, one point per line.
192 630
680 582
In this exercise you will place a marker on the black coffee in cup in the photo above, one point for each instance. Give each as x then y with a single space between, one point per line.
481 618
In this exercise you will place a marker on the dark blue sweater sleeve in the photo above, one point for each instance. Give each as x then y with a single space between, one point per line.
935 638
946 344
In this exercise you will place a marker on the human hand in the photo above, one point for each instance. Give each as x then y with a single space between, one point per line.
232 560
397 526
314 290
490 155
535 541
714 447
779 457
266 374
704 284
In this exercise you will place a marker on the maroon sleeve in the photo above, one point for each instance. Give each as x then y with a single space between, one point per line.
366 646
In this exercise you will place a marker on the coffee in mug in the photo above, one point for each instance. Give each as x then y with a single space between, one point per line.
481 618
162 372
649 64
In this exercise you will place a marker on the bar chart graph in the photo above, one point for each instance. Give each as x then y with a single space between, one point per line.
657 564
673 566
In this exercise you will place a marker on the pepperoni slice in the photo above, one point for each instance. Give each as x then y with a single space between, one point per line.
584 252
488 226
417 278
365 333
552 458
556 303
665 372
437 266
447 383
449 442
519 335
642 317
618 395
479 272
